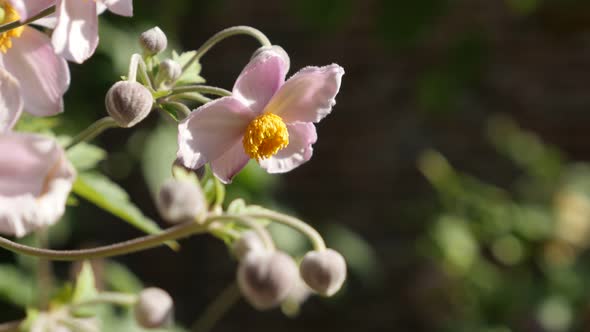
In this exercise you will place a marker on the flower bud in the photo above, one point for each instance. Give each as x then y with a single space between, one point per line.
154 308
265 278
170 70
276 49
128 103
323 271
249 243
179 201
153 41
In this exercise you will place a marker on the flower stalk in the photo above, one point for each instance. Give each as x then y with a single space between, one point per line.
92 131
17 24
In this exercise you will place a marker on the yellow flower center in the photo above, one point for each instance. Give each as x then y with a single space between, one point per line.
265 136
7 15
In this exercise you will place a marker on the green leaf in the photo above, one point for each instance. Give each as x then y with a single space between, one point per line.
15 286
85 156
158 156
109 196
85 290
191 74
120 279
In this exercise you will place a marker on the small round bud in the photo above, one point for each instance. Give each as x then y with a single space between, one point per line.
153 41
154 308
170 70
266 278
128 103
323 271
179 201
249 243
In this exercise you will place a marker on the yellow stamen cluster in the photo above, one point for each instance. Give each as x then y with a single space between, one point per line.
7 15
265 136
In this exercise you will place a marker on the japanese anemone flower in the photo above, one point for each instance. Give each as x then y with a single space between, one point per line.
76 28
32 77
266 118
35 180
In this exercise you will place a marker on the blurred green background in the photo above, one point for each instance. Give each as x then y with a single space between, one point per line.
452 172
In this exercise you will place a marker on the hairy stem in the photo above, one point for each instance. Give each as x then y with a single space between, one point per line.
221 35
92 131
121 299
313 235
16 24
205 89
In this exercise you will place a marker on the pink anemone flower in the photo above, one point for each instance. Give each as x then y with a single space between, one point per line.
266 118
76 28
35 180
32 77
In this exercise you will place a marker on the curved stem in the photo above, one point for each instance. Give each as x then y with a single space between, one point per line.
136 63
216 309
191 96
221 35
121 248
179 107
206 89
16 24
262 233
313 235
92 131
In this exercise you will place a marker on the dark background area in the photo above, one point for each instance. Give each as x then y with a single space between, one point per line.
420 75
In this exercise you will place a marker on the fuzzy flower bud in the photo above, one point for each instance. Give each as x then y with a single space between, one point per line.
170 70
153 41
128 103
179 201
249 243
154 308
323 271
266 278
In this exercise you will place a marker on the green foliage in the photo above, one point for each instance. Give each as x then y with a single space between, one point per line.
104 193
85 156
84 290
192 73
16 286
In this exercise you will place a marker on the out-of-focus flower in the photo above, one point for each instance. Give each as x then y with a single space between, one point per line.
63 321
154 308
32 77
35 180
76 32
266 118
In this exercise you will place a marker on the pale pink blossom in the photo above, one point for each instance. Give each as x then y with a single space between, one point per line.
76 27
32 77
35 180
266 118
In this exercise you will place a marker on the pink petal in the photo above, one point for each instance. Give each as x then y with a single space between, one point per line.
11 102
35 180
43 76
301 136
230 163
262 77
76 35
30 8
307 96
120 7
211 130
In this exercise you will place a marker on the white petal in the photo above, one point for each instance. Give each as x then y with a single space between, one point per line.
262 77
308 96
299 150
35 180
230 163
11 102
211 130
76 35
120 7
43 76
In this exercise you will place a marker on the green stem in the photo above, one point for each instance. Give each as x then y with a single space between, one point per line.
44 271
92 131
193 97
16 24
219 193
121 299
216 309
136 63
206 89
179 107
313 235
122 248
221 35
262 233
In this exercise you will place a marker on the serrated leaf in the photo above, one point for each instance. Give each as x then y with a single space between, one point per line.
192 74
85 156
101 191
